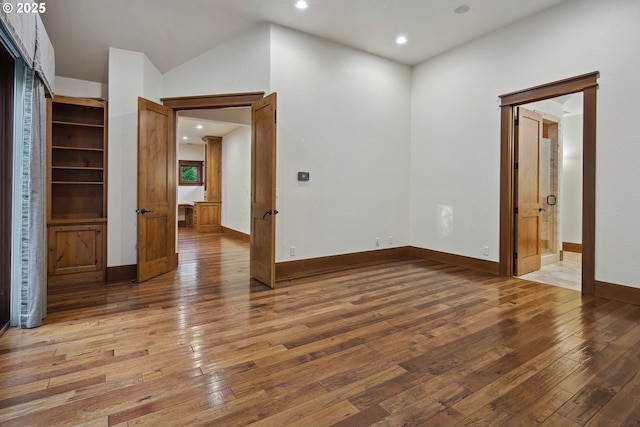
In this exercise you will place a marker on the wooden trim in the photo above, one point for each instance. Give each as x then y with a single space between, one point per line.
7 78
621 293
122 273
586 83
490 267
572 247
589 191
213 101
199 165
213 166
308 267
235 233
506 192
551 90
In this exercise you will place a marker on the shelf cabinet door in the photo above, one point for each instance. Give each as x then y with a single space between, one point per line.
208 217
76 253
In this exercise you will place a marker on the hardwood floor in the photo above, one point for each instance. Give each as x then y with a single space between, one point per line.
406 343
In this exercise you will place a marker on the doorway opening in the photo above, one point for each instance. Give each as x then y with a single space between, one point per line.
587 85
220 141
263 168
560 191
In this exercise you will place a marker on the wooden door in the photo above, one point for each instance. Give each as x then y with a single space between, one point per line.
263 190
528 132
156 190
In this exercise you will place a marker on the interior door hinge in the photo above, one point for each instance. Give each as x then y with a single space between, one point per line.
516 122
516 165
275 116
515 255
515 210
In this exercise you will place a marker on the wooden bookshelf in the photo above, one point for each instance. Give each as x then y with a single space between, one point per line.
77 189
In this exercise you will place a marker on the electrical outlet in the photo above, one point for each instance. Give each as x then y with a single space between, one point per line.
377 242
391 240
485 250
292 251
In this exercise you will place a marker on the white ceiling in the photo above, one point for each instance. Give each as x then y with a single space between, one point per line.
193 125
171 32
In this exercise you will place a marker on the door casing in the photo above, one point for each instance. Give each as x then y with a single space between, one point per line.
244 99
7 77
588 85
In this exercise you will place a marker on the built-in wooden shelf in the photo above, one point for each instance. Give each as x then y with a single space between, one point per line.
77 196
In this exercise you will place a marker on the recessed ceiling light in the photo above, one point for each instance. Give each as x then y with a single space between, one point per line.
461 9
402 39
199 127
302 4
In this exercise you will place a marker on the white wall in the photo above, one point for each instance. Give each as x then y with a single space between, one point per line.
81 88
343 116
151 81
190 193
130 75
238 65
236 180
455 127
571 200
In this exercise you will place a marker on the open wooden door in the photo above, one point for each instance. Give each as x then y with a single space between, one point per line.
156 190
528 132
263 190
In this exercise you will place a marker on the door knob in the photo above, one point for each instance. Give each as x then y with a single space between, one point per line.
269 212
541 209
143 211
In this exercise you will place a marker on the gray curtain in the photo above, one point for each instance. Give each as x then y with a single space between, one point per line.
33 263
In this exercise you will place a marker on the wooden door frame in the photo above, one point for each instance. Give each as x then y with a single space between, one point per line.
588 85
207 102
7 71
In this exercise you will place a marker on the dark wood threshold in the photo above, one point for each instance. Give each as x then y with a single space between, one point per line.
235 233
122 273
572 247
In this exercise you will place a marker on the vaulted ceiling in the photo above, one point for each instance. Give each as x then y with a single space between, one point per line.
171 32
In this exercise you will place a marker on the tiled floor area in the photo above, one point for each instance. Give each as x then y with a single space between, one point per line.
566 273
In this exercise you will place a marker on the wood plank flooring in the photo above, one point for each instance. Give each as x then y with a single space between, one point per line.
406 343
